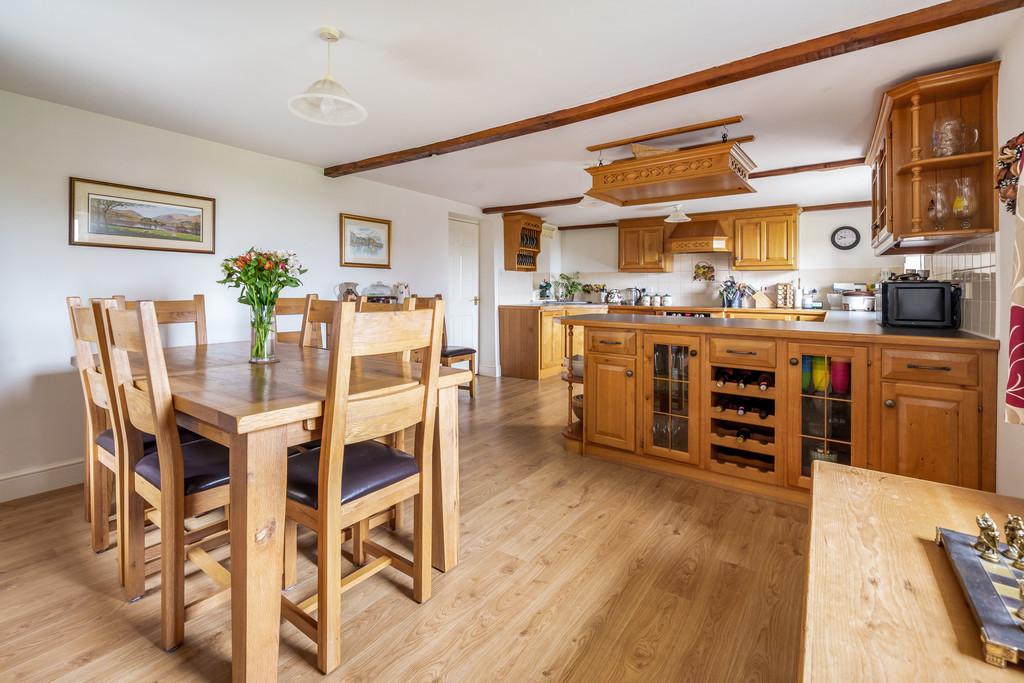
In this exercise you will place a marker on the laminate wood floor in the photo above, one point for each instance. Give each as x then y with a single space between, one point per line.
570 569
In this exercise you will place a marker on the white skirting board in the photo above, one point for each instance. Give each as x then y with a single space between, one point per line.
33 480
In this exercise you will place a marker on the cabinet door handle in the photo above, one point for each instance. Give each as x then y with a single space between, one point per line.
889 403
938 368
693 353
741 353
794 361
609 343
629 373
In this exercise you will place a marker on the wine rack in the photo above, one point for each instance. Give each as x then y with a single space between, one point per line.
742 423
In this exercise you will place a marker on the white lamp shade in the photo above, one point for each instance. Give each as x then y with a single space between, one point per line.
327 102
677 216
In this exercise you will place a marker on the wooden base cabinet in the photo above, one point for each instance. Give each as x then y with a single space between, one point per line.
931 432
532 341
671 397
610 417
828 396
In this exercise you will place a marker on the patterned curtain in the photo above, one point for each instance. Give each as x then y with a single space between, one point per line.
1008 182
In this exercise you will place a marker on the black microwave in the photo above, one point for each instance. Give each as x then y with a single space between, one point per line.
921 303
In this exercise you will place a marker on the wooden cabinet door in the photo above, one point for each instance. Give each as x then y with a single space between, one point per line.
671 392
551 342
779 249
610 390
653 245
827 408
748 242
630 248
931 432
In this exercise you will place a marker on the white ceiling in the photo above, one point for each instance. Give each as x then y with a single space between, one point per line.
432 70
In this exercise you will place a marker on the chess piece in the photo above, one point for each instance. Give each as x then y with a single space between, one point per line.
988 538
1014 532
1020 610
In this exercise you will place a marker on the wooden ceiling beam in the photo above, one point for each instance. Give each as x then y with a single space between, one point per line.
532 205
880 32
823 166
693 127
588 226
838 205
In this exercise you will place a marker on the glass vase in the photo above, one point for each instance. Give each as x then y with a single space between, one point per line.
938 207
262 334
965 202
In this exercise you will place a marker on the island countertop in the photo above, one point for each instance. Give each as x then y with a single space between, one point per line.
838 325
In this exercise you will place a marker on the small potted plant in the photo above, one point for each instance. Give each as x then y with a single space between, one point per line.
570 284
261 275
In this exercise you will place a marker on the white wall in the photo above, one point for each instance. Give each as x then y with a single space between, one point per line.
261 200
594 253
1010 463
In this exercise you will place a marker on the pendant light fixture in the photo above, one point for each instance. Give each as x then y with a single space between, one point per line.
677 215
327 101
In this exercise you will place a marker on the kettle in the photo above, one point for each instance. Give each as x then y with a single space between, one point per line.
346 289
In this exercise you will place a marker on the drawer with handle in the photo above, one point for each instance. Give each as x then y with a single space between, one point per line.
741 351
942 367
611 341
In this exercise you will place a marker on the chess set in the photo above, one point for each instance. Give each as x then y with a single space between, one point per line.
992 577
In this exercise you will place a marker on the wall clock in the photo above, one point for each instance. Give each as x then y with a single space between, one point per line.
845 237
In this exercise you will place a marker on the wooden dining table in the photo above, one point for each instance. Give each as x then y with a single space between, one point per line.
258 411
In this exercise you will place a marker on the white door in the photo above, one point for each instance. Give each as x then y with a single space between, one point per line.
462 312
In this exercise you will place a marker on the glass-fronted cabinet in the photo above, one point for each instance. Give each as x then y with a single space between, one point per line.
827 409
671 377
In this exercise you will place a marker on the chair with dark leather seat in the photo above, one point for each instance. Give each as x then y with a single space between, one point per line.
450 355
178 480
351 478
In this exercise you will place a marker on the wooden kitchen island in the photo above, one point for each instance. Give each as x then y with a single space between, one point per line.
883 602
752 404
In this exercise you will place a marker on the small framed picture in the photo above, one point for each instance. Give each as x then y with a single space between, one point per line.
126 217
365 242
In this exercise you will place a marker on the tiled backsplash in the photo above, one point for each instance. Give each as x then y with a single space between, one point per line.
973 266
686 292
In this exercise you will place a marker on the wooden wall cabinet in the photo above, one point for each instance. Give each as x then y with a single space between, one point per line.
765 242
671 397
610 418
522 241
642 246
906 165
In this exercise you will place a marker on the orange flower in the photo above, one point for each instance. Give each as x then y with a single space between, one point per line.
268 265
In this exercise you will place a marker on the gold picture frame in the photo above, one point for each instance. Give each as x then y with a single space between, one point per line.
365 241
102 214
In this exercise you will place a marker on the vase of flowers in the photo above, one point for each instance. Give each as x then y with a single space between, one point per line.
261 275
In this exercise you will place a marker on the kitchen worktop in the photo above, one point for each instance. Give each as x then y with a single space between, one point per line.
845 324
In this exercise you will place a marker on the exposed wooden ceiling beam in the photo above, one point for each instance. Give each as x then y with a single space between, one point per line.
693 127
823 166
532 205
588 226
839 205
880 32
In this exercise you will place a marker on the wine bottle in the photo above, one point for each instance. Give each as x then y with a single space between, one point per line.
741 380
764 381
721 377
741 408
742 434
764 411
720 405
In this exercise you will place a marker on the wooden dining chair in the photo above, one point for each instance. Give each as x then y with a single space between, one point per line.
295 305
351 477
177 480
100 457
453 354
170 312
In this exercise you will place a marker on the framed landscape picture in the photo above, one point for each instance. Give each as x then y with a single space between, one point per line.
365 242
110 215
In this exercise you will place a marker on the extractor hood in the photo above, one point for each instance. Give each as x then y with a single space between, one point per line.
698 237
690 173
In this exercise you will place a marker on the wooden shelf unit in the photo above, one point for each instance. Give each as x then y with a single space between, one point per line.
752 458
904 166
522 241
